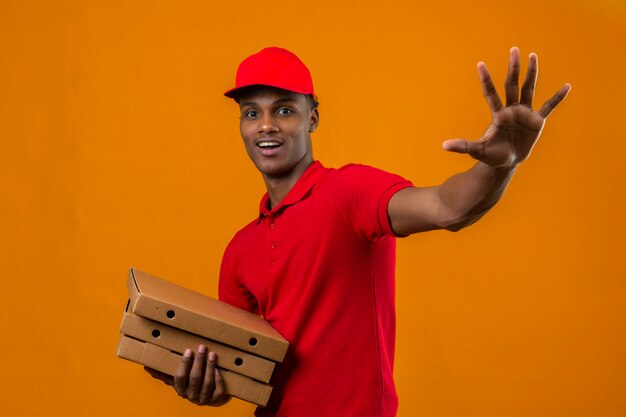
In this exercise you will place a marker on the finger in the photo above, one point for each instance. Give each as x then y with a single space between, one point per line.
181 377
209 380
511 85
196 375
554 101
489 90
168 379
220 390
528 89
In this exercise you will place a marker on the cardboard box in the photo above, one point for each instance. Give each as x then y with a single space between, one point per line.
166 361
177 341
188 310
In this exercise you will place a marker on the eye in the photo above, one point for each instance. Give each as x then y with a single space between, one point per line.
284 111
250 114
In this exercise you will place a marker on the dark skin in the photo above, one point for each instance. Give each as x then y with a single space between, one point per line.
285 121
514 130
197 379
276 127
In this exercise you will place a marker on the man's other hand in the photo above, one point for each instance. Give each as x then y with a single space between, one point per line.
197 379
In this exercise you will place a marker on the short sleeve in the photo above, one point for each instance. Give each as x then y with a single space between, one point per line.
361 194
230 289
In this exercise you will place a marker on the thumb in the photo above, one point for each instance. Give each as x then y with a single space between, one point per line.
168 379
458 145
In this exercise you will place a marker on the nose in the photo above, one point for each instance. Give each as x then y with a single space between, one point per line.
268 124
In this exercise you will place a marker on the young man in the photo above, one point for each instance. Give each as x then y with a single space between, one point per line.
318 263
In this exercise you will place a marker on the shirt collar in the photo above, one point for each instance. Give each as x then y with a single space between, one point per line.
297 193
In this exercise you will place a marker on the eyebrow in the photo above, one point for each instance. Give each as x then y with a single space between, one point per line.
279 101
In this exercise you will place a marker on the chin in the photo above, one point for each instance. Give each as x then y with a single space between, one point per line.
278 167
274 173
271 170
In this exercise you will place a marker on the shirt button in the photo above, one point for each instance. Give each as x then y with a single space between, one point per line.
273 245
272 226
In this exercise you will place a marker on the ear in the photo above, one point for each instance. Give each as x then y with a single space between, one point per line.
314 120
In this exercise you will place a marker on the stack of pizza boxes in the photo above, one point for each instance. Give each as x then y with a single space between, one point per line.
162 320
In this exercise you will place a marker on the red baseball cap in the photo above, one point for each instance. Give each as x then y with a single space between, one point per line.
274 67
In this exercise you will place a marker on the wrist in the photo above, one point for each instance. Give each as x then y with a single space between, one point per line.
497 172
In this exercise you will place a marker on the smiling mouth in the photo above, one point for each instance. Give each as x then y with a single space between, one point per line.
269 144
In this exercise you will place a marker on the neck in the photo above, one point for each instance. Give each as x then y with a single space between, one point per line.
279 187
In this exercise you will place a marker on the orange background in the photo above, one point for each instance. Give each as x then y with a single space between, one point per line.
117 149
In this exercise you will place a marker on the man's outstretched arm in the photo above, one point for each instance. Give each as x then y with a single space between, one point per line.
466 197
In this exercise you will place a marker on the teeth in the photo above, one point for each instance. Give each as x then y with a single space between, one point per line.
268 144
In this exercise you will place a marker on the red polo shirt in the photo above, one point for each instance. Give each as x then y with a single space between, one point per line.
320 268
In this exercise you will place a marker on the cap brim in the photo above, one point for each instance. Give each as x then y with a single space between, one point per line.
234 93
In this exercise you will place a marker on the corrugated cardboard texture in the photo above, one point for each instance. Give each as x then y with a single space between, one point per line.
178 340
179 307
166 361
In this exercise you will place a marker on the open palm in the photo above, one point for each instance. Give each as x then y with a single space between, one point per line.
516 127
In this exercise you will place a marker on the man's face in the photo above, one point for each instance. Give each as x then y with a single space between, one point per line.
276 128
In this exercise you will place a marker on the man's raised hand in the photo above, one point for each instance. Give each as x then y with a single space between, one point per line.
516 127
